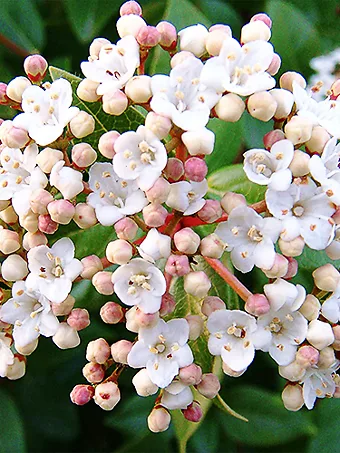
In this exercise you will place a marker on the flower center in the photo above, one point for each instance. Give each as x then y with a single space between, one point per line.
139 281
147 152
254 234
298 210
237 331
276 325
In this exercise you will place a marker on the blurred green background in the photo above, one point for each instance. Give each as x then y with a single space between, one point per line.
36 414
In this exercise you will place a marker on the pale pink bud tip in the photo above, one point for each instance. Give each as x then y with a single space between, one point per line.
193 412
209 385
272 137
3 96
174 169
190 375
307 356
130 8
168 35
177 265
262 17
79 319
112 313
257 305
211 304
98 351
82 394
35 67
46 224
211 211
148 36
195 169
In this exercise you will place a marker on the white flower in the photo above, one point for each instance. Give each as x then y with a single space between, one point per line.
53 270
318 383
326 68
155 246
270 168
177 396
192 39
140 156
68 181
234 336
240 69
113 198
282 293
333 250
139 283
182 97
306 211
325 113
6 355
163 350
46 112
325 170
187 197
20 176
31 314
250 238
115 65
331 307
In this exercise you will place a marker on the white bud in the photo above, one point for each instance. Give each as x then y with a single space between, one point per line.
215 40
9 241
28 348
107 394
230 108
14 268
187 241
87 91
197 284
120 351
231 200
293 372
131 322
292 397
96 46
158 124
299 166
287 79
65 307
129 24
138 89
115 103
318 140
143 384
262 105
159 420
47 158
179 57
320 334
284 100
9 216
193 38
17 370
292 248
212 246
82 124
326 357
326 277
119 251
310 309
83 155
200 141
31 240
66 337
254 31
16 87
298 130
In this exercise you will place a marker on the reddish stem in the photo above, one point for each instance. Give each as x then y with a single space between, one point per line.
181 152
229 278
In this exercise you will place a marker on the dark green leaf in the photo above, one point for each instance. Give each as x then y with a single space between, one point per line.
327 438
221 12
12 436
233 179
129 120
89 18
254 130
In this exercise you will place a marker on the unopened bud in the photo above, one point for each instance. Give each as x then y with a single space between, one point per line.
138 89
9 241
299 166
293 267
168 35
211 211
232 373
28 348
14 268
82 124
148 37
168 305
195 169
209 385
257 305
3 96
116 102
190 375
98 351
212 246
158 124
318 140
211 304
119 252
327 358
82 394
79 319
215 40
177 265
187 241
102 282
230 108
196 326
130 7
179 57
336 333
107 395
120 351
154 215
47 158
174 169
310 309
279 268
326 277
129 24
16 87
126 228
31 240
46 224
193 413
85 216
292 397
159 420
320 334
307 356
284 100
262 105
146 319
143 384
18 369
39 200
65 307
131 323
35 67
10 217
106 144
93 372
91 265
287 79
111 313
292 248
231 200
192 39
87 90
272 137
293 372
12 136
61 211
159 191
83 155
262 17
197 284
66 337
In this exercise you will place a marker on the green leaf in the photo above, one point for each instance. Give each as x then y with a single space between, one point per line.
228 143
291 25
269 422
222 12
254 130
129 120
12 436
233 179
90 18
21 24
327 438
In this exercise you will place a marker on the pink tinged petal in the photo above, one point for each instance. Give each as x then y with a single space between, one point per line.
240 355
162 370
139 355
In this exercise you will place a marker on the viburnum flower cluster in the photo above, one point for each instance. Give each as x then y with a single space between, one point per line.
148 186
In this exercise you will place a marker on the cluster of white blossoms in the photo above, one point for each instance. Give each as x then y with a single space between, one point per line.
148 187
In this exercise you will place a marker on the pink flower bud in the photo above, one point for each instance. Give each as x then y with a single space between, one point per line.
279 268
146 320
39 200
211 304
168 35
106 144
193 412
292 270
187 241
195 169
292 397
65 307
16 87
83 155
154 215
119 251
9 241
262 106
190 375
138 89
87 90
209 385
46 224
177 265
82 394
148 36
79 319
287 79
231 200
66 337
85 216
159 420
91 265
31 240
35 67
14 268
230 108
102 282
158 124
211 211
263 17
130 7
143 384
196 326
257 305
253 31
275 65
159 191
112 313
174 169
61 211
272 137
115 103
107 395
197 284
168 305
126 229
98 351
3 96
120 351
318 140
93 372
179 57
212 246
326 277
12 136
307 356
336 333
